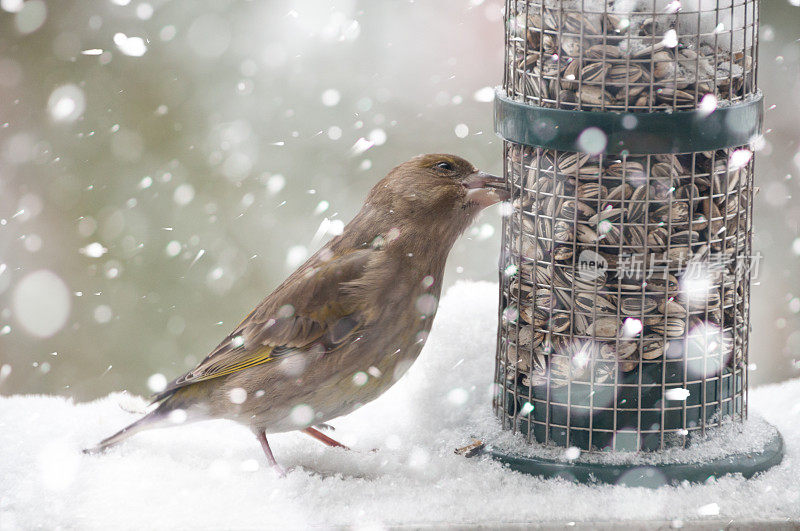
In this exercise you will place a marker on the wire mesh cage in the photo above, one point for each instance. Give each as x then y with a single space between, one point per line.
627 259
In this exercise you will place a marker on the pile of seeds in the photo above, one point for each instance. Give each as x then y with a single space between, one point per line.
617 261
603 60
618 264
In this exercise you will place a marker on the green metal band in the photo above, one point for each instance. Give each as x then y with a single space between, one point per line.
633 133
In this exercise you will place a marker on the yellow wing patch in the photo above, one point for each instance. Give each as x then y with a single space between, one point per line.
258 359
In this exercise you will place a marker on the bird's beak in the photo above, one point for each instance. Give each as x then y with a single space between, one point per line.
485 189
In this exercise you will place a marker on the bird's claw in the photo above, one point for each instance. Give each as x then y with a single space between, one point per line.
282 472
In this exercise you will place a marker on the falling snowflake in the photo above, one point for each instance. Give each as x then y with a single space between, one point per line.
131 46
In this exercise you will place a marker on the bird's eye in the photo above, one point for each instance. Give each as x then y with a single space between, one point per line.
446 166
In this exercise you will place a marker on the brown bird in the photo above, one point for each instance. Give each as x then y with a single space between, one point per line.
348 323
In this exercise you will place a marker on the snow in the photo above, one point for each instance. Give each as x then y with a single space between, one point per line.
592 140
12 6
30 16
377 136
66 103
93 250
209 36
41 303
331 97
144 11
183 194
361 145
132 46
484 95
213 474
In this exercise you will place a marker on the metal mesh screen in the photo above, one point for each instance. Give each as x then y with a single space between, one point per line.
599 54
625 279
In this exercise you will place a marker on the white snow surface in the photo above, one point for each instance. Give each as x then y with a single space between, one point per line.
213 474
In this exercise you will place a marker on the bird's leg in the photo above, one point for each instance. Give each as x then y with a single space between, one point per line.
324 427
261 435
324 439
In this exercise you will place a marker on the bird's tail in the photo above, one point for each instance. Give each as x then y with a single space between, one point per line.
152 420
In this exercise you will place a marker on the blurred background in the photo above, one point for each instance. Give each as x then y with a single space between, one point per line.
165 164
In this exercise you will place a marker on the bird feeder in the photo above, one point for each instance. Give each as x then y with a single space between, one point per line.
628 132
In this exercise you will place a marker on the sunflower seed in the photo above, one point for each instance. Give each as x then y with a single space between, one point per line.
561 368
559 322
638 305
664 171
628 167
603 51
624 75
609 235
689 192
608 214
520 289
725 181
675 256
594 95
585 234
567 277
663 283
671 327
544 228
699 223
562 231
544 300
562 253
672 308
712 214
571 46
700 302
589 191
652 347
590 304
537 317
657 238
620 193
531 250
670 95
637 206
685 237
570 206
635 238
604 327
615 24
570 163
579 24
618 350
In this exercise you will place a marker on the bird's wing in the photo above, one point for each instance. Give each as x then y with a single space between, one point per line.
313 306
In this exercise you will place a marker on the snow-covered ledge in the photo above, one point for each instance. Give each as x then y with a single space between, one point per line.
212 475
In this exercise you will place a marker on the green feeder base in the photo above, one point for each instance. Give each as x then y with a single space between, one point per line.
647 474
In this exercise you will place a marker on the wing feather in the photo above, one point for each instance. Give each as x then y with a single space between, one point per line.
312 306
